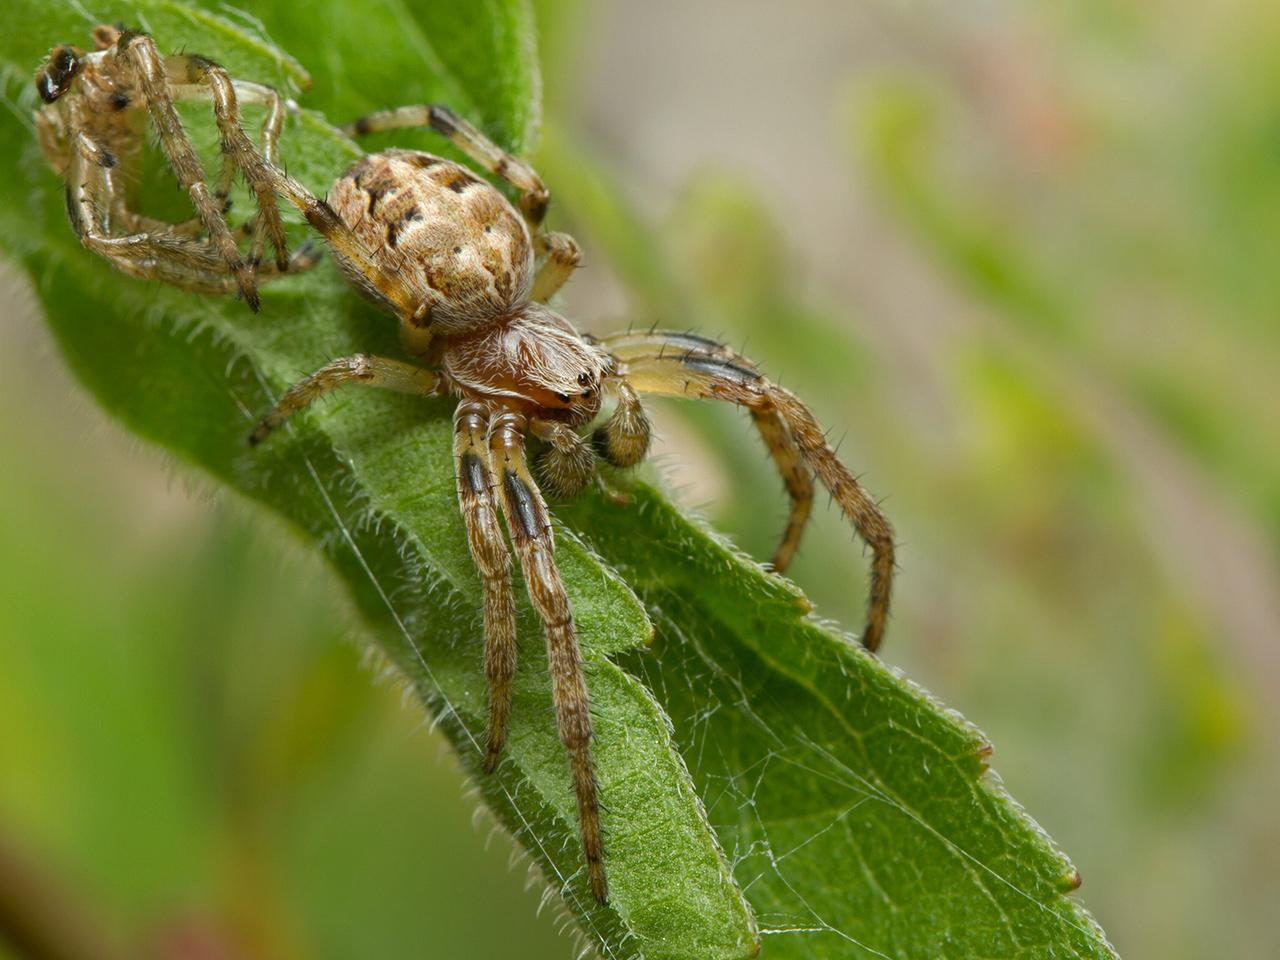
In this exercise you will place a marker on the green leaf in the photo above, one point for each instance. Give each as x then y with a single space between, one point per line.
856 813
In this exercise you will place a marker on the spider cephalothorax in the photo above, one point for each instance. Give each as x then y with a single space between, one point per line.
91 132
467 276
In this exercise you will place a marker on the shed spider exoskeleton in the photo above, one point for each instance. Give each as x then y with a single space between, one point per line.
454 261
91 132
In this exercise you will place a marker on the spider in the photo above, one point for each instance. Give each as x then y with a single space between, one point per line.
91 132
467 276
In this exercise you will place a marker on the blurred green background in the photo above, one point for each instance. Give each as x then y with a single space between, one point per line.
1023 257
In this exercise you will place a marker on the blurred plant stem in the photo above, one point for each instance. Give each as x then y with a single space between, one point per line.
41 917
44 917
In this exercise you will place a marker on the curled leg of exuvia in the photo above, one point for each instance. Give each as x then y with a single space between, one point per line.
139 50
195 77
678 364
155 250
191 265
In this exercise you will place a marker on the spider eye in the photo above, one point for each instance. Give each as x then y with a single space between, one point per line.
584 379
564 397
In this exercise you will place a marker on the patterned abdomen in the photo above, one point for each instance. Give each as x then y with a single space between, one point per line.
446 233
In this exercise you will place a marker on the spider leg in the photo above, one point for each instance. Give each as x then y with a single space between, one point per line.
472 142
769 423
140 52
136 222
530 529
190 76
795 476
273 122
489 551
680 365
364 270
215 280
272 125
361 368
670 343
560 255
157 253
184 271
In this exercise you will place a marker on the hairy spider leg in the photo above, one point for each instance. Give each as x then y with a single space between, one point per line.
362 268
713 372
140 51
672 343
467 138
797 478
489 551
558 253
155 250
530 529
361 368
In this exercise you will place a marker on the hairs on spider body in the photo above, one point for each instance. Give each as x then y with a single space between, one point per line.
91 130
467 275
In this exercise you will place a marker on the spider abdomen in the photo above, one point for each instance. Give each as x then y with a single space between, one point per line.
451 237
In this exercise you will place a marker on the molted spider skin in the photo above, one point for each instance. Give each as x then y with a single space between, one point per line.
91 130
466 273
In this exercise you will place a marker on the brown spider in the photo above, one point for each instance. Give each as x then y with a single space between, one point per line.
91 132
454 261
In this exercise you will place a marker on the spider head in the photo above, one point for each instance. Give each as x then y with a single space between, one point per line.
560 369
54 78
575 397
535 355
